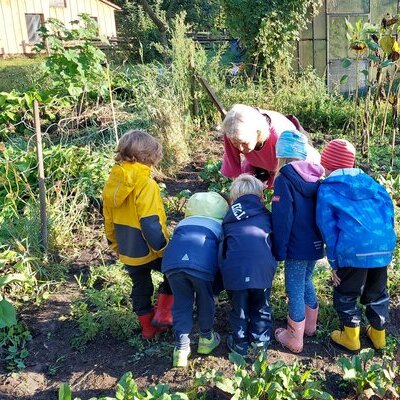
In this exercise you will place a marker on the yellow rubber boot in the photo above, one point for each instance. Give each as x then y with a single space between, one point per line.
348 338
377 337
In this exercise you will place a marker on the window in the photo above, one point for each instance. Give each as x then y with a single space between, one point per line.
58 3
33 23
97 24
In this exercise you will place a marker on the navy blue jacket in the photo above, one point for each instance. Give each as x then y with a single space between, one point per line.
247 260
296 234
194 247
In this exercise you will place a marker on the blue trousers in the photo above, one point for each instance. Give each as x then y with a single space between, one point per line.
251 315
300 288
184 286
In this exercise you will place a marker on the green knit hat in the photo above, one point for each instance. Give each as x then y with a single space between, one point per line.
207 204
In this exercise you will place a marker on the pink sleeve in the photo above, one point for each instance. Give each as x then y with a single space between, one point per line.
231 166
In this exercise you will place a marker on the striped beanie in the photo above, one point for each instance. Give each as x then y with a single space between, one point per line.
338 153
291 144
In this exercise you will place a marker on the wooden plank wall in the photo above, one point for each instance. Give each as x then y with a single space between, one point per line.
13 31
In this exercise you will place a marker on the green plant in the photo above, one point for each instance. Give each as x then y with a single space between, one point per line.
128 390
174 204
54 367
213 176
265 381
75 64
374 379
269 29
105 306
13 340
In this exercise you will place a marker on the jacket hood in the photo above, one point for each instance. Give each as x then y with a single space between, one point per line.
244 207
304 176
121 182
352 183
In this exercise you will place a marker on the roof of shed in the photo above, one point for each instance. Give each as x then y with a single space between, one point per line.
111 4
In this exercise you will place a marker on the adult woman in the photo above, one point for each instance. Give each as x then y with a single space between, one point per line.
252 133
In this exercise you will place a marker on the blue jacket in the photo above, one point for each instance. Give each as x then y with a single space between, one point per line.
194 247
296 235
247 260
356 217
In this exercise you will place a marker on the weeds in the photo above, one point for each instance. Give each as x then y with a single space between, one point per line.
13 341
105 307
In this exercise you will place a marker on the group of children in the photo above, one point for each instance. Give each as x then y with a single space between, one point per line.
347 211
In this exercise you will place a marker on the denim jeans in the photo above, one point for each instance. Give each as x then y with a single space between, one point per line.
299 287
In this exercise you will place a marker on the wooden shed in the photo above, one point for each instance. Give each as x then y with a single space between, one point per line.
323 45
20 19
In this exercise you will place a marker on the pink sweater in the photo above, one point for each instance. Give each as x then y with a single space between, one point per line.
264 158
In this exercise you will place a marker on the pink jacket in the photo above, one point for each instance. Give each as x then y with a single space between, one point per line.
264 158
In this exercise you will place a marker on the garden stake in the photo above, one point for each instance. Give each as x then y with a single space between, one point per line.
42 188
391 80
212 94
112 104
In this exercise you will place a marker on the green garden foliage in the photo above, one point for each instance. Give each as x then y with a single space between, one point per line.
75 65
268 29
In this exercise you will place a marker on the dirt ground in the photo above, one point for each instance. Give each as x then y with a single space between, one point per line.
96 370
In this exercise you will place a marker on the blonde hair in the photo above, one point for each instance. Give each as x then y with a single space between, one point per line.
282 162
139 146
245 184
242 121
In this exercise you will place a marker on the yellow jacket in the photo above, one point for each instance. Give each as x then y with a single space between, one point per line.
134 215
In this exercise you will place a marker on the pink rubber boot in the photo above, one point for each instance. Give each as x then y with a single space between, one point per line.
311 321
292 336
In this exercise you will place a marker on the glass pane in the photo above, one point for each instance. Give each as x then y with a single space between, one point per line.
308 32
33 23
320 56
336 71
379 8
348 6
320 25
338 44
306 53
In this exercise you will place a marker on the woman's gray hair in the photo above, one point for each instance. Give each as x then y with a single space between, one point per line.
242 120
246 184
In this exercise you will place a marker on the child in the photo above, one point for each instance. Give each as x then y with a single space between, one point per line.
297 239
248 266
190 263
355 216
135 225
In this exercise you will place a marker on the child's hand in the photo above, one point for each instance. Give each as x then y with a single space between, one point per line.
335 278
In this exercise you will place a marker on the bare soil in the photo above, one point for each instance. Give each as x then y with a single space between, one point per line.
96 370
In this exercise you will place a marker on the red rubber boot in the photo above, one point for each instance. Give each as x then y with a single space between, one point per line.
163 314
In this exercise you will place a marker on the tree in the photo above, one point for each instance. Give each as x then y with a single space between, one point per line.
268 29
146 23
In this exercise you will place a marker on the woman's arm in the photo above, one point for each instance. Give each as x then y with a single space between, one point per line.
231 165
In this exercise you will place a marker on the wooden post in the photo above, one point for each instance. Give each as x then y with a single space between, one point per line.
195 101
213 96
42 189
112 104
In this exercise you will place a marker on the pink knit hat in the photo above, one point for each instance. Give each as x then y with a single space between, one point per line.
338 153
